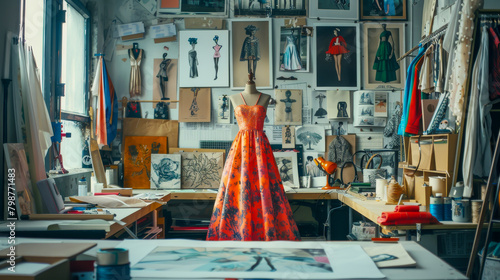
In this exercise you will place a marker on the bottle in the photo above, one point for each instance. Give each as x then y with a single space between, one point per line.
394 191
82 187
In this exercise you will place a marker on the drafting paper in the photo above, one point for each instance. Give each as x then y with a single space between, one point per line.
230 259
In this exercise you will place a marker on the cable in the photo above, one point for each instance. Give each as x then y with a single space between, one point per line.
327 222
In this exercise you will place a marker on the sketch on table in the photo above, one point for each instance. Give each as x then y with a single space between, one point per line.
201 170
165 171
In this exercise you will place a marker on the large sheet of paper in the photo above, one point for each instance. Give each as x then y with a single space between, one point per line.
230 259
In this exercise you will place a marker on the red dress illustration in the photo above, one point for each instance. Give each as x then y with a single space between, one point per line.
337 46
251 203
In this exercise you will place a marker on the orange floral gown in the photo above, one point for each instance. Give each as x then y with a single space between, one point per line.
251 203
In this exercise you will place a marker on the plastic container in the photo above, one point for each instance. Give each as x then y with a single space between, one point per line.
460 210
82 187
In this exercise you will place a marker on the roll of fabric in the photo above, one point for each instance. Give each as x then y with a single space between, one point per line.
407 208
406 218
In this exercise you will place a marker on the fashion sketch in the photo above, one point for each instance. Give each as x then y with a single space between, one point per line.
216 48
291 57
288 105
165 171
250 51
288 135
194 105
342 109
385 60
321 112
162 73
193 59
135 55
389 7
337 49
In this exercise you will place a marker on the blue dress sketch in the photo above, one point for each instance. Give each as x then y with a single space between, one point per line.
291 58
389 7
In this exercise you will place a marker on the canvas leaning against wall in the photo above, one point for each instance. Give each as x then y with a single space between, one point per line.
201 170
165 171
204 58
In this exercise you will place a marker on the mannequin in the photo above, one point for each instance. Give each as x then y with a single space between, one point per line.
251 95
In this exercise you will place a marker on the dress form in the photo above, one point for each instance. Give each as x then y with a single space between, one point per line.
251 95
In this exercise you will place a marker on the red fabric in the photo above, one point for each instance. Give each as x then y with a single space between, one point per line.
494 65
415 112
406 218
337 49
407 208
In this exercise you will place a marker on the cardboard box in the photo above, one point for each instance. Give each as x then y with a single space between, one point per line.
425 153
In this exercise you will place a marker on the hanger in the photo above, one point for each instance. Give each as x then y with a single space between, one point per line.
165 55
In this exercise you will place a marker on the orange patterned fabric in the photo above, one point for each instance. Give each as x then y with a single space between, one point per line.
251 203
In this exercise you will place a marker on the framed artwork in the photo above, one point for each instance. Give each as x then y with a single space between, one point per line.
337 56
383 10
288 168
137 159
165 80
201 170
204 58
190 8
288 109
18 181
251 45
165 171
338 104
294 50
319 112
312 137
370 108
339 9
383 43
269 8
311 169
194 104
288 136
223 109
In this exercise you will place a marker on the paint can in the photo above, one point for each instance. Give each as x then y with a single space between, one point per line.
112 264
476 209
447 208
460 210
438 184
437 207
380 186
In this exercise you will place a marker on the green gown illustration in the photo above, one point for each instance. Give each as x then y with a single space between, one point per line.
385 60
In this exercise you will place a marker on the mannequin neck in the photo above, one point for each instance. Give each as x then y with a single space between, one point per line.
250 88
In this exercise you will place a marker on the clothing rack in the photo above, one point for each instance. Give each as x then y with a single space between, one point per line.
425 40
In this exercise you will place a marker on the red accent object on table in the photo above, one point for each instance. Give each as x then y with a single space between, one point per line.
385 240
407 208
406 218
108 193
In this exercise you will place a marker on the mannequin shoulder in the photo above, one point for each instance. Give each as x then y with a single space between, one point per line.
236 99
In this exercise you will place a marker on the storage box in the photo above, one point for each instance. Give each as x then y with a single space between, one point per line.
424 153
444 151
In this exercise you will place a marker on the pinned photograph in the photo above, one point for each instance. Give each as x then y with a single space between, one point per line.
370 108
320 115
383 9
223 109
284 8
334 9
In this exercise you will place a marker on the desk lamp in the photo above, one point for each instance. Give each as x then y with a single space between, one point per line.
329 168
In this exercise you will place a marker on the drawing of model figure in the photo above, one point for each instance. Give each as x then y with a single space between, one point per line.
288 105
194 105
291 58
385 61
250 51
288 135
336 49
162 73
320 113
193 59
223 107
216 48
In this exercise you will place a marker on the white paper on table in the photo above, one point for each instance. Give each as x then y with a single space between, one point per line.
163 30
130 28
345 260
24 268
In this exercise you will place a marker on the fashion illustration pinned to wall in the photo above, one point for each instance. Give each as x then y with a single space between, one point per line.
137 159
339 104
187 8
336 9
382 45
204 58
370 108
312 137
288 168
223 109
270 8
294 46
251 46
194 104
201 170
319 107
165 171
166 78
135 55
288 136
288 107
383 9
337 56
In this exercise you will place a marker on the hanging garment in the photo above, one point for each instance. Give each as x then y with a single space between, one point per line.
415 109
251 203
161 111
385 63
337 46
439 62
133 110
339 151
135 73
291 58
472 125
426 79
449 42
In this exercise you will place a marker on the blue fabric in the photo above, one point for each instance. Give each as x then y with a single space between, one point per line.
110 105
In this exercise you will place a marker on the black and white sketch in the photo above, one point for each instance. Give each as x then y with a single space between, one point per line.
223 110
165 171
201 170
319 107
288 168
312 137
311 169
270 8
288 107
339 104
288 137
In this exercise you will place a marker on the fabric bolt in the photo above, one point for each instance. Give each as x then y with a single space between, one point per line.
406 218
494 64
385 63
135 73
426 78
472 124
291 58
251 204
407 208
337 46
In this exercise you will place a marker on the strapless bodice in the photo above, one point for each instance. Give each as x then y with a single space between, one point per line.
250 117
